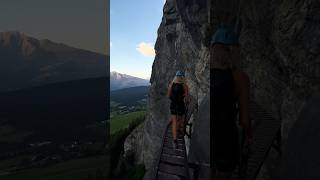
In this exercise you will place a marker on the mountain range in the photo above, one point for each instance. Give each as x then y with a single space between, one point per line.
121 81
27 62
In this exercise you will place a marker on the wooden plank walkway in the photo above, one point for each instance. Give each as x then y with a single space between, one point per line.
172 162
265 131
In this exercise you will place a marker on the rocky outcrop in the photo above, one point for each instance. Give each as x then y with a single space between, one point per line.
131 146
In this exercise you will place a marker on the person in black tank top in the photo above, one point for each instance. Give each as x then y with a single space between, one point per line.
228 88
177 92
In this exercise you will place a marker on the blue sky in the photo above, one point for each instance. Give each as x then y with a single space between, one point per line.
133 33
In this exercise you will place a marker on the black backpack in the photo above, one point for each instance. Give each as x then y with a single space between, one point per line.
177 92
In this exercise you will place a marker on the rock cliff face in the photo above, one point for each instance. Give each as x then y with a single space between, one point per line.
303 159
280 47
280 44
179 46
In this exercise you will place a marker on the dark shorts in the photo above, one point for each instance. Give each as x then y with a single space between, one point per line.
177 108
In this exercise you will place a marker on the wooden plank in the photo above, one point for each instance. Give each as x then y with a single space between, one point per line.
170 141
165 176
173 152
167 138
170 145
173 159
179 141
175 170
170 136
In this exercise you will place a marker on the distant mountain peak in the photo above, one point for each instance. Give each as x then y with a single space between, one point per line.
120 75
120 81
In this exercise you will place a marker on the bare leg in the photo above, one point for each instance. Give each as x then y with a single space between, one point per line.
174 126
179 125
182 128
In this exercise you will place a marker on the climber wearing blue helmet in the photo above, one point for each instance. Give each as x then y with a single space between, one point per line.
225 35
180 73
177 92
230 88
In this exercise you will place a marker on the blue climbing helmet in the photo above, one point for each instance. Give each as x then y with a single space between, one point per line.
180 73
225 34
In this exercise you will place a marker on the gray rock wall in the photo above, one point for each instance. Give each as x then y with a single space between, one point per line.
280 43
280 48
179 46
302 159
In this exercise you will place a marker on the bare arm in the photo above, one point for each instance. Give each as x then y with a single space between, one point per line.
186 90
169 90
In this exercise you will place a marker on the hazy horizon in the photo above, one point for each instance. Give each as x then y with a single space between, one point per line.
129 75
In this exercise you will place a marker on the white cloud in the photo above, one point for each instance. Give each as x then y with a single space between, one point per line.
146 49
